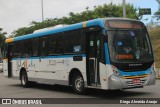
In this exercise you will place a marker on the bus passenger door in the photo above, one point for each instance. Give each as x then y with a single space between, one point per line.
10 55
93 42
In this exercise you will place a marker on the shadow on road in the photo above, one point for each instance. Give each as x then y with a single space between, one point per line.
108 94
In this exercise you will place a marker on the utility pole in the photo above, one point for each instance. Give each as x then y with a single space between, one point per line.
42 10
124 9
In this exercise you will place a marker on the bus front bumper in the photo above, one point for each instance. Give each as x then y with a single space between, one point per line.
115 82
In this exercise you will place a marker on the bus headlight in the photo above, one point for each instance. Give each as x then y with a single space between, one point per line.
115 71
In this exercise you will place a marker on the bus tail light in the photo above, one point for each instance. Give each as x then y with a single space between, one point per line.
115 70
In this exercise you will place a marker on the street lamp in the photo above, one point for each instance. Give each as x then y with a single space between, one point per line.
124 9
42 10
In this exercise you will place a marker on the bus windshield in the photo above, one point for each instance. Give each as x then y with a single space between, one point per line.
129 46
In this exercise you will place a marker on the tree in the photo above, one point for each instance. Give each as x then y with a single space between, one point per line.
2 37
157 13
2 40
106 10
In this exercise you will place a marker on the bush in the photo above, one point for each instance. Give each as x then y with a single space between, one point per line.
155 39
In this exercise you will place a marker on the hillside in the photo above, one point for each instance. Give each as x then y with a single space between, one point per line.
155 39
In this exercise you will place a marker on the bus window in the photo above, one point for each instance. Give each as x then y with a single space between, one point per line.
35 46
73 42
42 46
129 46
27 48
17 48
55 45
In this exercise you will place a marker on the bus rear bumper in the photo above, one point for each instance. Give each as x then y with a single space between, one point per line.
115 82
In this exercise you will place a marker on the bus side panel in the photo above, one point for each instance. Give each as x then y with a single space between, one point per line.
32 68
15 69
5 67
49 70
26 63
103 76
81 66
58 66
61 68
42 70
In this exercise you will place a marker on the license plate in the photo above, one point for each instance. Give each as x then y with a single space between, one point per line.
136 81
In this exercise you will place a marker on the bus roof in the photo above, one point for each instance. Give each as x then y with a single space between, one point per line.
99 22
89 23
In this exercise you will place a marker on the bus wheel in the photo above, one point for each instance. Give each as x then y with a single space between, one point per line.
24 79
78 84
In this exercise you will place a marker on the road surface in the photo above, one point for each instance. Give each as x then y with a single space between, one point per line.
10 88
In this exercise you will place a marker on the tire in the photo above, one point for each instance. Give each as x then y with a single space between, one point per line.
78 84
24 79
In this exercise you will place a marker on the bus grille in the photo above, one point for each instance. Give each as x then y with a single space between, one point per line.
132 77
131 84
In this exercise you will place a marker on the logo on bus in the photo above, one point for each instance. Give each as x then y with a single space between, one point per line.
25 63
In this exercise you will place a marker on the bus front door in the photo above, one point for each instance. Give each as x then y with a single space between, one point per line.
10 60
93 41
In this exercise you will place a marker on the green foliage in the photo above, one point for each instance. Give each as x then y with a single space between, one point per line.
106 10
155 39
2 37
157 13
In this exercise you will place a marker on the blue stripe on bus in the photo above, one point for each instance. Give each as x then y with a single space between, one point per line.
135 73
58 30
106 53
48 32
47 57
67 56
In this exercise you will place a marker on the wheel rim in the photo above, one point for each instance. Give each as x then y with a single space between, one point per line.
23 79
79 83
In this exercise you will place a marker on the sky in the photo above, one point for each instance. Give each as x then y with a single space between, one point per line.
15 14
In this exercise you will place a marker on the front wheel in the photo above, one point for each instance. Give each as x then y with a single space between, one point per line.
24 79
78 84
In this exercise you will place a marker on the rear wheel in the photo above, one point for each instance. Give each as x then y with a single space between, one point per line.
24 79
78 84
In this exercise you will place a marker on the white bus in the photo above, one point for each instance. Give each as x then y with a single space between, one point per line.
105 53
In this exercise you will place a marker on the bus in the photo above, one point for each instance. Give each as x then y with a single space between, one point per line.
103 53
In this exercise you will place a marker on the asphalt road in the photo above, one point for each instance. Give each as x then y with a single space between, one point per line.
10 88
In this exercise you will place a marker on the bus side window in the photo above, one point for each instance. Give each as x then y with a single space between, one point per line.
27 48
73 42
17 49
35 46
42 48
55 44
